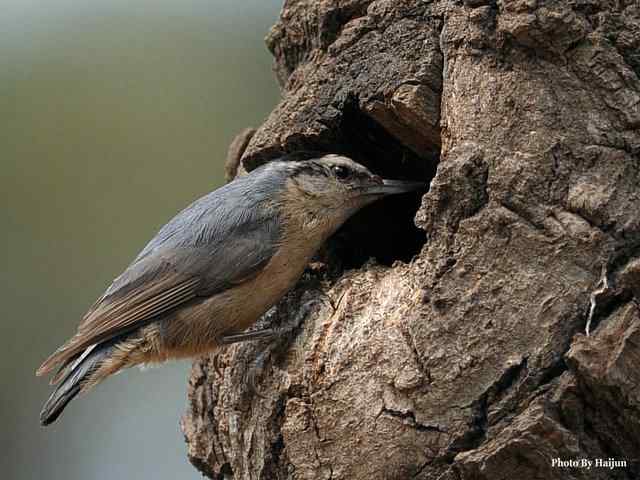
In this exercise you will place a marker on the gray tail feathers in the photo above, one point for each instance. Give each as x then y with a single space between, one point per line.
80 372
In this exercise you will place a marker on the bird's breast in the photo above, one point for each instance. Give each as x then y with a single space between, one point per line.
195 329
247 302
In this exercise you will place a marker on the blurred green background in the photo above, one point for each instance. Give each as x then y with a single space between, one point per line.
113 116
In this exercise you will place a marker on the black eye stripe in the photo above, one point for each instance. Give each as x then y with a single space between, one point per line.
341 172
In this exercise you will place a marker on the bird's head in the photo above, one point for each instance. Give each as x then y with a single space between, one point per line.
332 187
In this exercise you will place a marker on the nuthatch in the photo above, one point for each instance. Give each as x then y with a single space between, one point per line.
214 269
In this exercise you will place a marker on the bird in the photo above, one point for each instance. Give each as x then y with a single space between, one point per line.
213 270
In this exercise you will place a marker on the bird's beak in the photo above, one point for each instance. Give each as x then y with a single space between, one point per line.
391 187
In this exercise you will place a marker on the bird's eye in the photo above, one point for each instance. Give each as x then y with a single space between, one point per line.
341 173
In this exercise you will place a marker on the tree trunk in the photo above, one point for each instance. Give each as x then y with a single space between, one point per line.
444 337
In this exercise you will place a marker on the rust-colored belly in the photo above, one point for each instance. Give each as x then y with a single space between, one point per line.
195 329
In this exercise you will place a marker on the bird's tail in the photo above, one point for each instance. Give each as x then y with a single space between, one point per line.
80 377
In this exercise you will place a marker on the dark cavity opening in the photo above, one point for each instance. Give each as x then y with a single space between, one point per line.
384 230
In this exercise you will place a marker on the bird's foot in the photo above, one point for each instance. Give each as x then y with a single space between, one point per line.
281 335
247 336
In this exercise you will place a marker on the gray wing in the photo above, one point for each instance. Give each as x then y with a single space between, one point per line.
215 243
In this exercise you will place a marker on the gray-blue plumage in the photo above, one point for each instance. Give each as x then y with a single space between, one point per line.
234 209
218 241
223 236
213 269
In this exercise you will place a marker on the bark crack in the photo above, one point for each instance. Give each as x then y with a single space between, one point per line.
411 418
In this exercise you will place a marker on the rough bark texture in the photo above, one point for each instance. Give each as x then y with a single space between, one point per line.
468 361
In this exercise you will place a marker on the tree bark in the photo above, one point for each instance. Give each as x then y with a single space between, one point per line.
456 351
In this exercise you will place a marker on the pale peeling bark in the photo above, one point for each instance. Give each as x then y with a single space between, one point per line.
470 360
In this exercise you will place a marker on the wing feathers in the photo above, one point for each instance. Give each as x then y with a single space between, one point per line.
218 241
137 308
112 317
